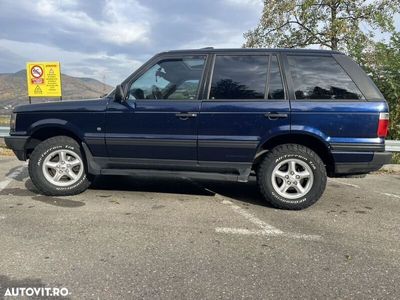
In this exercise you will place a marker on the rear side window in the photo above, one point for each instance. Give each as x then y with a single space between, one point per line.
321 77
239 77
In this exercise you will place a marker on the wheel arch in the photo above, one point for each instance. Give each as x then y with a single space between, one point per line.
313 142
43 130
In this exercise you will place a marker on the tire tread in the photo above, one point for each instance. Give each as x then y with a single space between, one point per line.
45 188
278 150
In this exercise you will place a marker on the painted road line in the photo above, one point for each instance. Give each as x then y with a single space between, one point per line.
253 219
11 177
391 195
344 183
244 231
265 228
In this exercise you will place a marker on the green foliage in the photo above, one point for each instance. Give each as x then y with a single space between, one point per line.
382 62
396 158
335 24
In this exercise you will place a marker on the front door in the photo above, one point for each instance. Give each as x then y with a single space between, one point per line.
157 124
245 106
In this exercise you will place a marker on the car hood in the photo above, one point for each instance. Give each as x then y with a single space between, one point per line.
90 105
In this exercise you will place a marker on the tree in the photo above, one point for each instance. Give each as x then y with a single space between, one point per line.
382 63
334 24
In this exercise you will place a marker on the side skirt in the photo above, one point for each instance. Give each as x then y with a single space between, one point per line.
227 171
169 174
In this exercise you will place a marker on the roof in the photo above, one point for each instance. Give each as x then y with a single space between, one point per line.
291 50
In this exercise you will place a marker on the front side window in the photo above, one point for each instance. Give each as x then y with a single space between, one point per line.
239 77
321 77
174 79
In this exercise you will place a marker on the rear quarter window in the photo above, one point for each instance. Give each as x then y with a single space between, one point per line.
321 77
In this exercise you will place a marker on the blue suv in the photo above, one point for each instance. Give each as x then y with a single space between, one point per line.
291 117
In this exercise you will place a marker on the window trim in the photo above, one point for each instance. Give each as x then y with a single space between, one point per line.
234 53
266 90
290 82
154 60
281 70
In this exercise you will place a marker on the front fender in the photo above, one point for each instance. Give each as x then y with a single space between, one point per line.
54 123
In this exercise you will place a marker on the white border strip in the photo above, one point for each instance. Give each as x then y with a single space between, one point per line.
344 183
391 195
11 177
265 228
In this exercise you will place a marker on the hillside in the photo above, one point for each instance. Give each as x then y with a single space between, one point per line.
13 89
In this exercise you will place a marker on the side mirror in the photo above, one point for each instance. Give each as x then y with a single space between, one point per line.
119 95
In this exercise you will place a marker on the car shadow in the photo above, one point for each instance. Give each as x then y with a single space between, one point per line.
21 175
31 192
245 192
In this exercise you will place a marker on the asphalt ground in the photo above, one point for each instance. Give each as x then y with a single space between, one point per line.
137 237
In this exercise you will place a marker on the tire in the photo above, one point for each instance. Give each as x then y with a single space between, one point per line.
71 171
287 189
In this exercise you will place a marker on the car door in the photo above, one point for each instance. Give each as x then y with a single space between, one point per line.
157 123
245 105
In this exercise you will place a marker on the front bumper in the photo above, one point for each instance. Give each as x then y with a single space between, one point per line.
379 159
17 145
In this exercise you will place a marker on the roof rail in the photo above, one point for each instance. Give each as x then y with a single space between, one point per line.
207 48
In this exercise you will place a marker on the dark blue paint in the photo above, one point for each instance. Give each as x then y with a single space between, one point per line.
341 121
237 122
152 121
81 118
233 122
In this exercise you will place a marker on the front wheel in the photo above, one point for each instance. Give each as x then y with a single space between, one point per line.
291 177
57 167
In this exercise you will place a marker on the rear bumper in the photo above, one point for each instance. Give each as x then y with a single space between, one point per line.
378 160
17 145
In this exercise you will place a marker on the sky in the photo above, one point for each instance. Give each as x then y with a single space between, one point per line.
109 39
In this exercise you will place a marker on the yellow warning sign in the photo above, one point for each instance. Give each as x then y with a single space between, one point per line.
44 79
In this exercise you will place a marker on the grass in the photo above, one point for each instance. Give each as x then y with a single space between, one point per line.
396 158
4 120
5 151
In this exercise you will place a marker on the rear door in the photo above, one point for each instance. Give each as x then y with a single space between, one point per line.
244 105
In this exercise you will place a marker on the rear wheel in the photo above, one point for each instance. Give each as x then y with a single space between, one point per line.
291 176
57 167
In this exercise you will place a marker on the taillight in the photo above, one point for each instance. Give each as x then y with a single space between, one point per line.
383 125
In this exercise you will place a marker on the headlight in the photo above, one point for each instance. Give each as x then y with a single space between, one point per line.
13 122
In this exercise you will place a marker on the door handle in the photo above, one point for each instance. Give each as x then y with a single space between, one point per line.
185 115
276 115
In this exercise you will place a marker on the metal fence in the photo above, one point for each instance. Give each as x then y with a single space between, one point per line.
392 146
4 131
